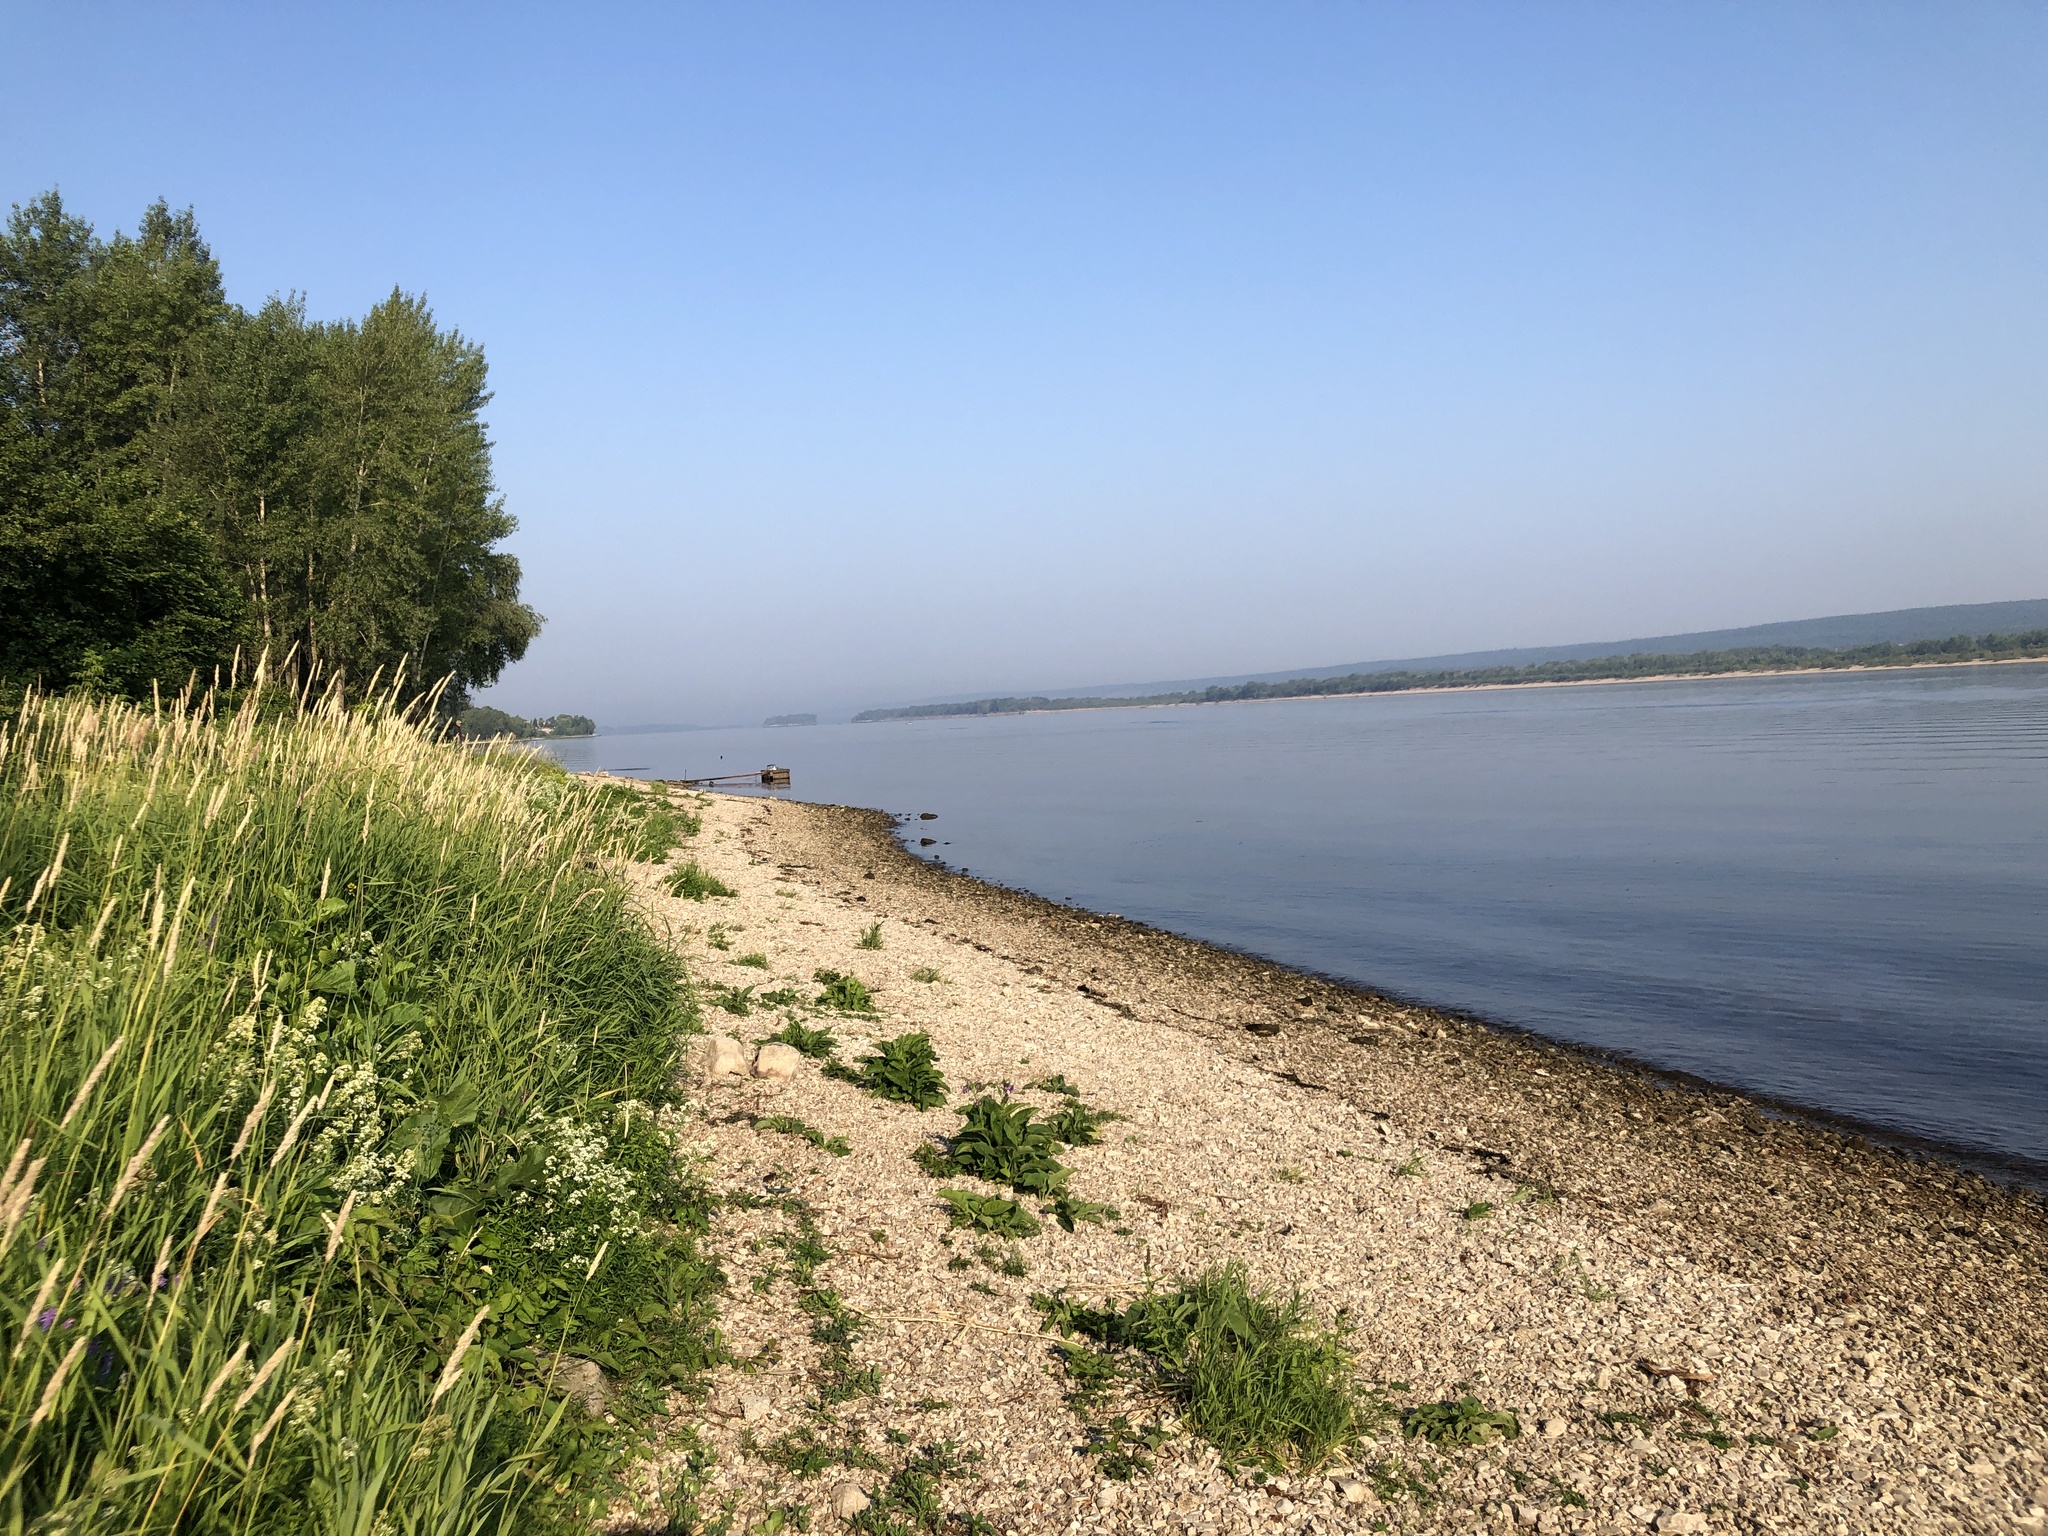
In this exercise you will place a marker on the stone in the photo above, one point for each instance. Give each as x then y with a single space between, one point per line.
1108 1495
1675 1522
1642 1447
1603 1379
2039 1497
581 1381
720 1056
848 1501
777 1062
1554 1427
1526 1514
1353 1490
755 1406
1982 1468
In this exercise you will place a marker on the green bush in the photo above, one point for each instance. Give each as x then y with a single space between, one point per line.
1003 1144
989 1213
846 993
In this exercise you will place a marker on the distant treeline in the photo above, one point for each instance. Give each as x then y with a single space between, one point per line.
790 720
182 479
483 722
1760 658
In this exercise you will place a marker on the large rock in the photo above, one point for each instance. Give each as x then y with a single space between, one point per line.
581 1381
720 1059
1680 1522
848 1501
777 1062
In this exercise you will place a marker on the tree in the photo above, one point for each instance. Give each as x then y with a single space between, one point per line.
179 477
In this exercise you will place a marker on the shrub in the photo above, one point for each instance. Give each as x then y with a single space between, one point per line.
1005 1145
819 1044
989 1213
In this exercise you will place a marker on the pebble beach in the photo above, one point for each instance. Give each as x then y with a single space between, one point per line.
1702 1315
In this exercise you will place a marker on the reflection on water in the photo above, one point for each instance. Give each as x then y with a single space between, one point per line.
1832 890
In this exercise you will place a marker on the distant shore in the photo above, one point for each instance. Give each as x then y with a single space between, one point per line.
1060 707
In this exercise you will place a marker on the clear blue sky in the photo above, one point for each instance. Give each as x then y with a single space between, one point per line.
847 353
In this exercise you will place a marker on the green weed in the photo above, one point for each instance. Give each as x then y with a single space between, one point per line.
870 937
925 973
693 883
1290 1175
904 1069
988 1213
789 1125
1248 1370
1478 1210
719 935
738 1001
1412 1169
1003 1144
846 993
1066 1210
818 1044
757 960
1464 1422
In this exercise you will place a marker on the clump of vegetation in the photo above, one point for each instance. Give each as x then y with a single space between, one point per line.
818 1044
1002 1143
738 1001
1465 1422
989 1213
719 935
337 1122
1248 1370
870 937
693 882
789 1125
757 960
904 1070
910 1500
1066 1210
849 994
926 973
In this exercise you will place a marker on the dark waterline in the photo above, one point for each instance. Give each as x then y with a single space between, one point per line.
1831 891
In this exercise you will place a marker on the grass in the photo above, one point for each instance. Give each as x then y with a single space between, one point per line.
926 973
849 994
818 1044
870 937
757 960
719 935
789 1125
738 1001
1247 1369
904 1070
332 1067
693 883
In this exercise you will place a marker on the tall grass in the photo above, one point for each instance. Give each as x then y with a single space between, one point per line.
332 1067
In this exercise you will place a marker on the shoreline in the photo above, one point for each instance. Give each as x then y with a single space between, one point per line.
1577 682
1866 1323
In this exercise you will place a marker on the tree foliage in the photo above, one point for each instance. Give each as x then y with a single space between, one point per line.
180 478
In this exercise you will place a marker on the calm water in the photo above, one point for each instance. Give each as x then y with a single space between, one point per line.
1829 890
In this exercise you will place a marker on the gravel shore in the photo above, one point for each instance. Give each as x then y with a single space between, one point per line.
1705 1316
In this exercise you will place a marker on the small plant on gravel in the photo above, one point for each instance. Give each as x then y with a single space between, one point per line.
738 1001
781 997
989 1213
846 993
1002 1143
1478 1210
789 1125
818 1044
870 937
913 1495
1078 1125
1250 1371
757 960
693 882
1124 1452
925 973
1055 1082
1465 1422
1412 1169
719 935
1067 1211
905 1069
1289 1175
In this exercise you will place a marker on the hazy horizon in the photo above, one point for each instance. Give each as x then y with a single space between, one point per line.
848 355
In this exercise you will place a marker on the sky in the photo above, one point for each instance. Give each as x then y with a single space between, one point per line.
854 353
